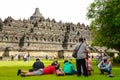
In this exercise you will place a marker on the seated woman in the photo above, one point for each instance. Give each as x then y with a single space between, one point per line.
57 63
51 69
68 68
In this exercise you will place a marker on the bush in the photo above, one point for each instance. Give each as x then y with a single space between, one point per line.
118 54
117 59
111 54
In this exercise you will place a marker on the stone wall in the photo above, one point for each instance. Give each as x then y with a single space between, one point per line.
40 34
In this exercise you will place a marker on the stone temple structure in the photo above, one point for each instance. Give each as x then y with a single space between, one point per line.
39 36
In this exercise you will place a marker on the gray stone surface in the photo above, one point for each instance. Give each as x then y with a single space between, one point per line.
39 33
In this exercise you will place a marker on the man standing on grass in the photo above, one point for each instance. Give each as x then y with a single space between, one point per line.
81 56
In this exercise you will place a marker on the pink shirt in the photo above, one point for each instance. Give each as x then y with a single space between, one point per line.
89 63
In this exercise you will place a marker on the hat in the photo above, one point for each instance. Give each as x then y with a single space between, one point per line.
105 58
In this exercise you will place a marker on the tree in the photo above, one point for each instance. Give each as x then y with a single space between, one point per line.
105 17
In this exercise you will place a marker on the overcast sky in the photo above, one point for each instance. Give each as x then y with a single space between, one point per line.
64 10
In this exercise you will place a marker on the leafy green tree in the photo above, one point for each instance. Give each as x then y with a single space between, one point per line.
105 17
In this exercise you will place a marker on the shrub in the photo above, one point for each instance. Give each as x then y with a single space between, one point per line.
117 59
111 54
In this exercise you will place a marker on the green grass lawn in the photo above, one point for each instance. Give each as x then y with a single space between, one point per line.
8 70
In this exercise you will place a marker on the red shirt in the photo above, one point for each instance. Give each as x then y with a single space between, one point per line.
49 70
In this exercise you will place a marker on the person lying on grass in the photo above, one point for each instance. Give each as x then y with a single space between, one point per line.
51 69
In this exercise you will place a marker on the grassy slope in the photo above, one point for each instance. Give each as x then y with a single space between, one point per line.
8 71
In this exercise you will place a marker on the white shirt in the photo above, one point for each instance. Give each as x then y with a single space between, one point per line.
81 52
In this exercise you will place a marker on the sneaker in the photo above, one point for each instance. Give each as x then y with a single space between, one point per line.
110 75
19 72
22 75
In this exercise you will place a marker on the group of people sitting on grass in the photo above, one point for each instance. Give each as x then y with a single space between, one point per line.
54 68
38 68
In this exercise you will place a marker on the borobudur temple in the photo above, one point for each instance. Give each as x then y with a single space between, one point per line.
39 36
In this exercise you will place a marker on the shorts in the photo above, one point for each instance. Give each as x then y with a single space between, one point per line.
38 72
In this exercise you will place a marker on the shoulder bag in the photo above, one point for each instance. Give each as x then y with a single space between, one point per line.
75 52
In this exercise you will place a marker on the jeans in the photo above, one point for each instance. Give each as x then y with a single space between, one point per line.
108 70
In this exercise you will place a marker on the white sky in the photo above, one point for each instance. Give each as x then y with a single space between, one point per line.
64 10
